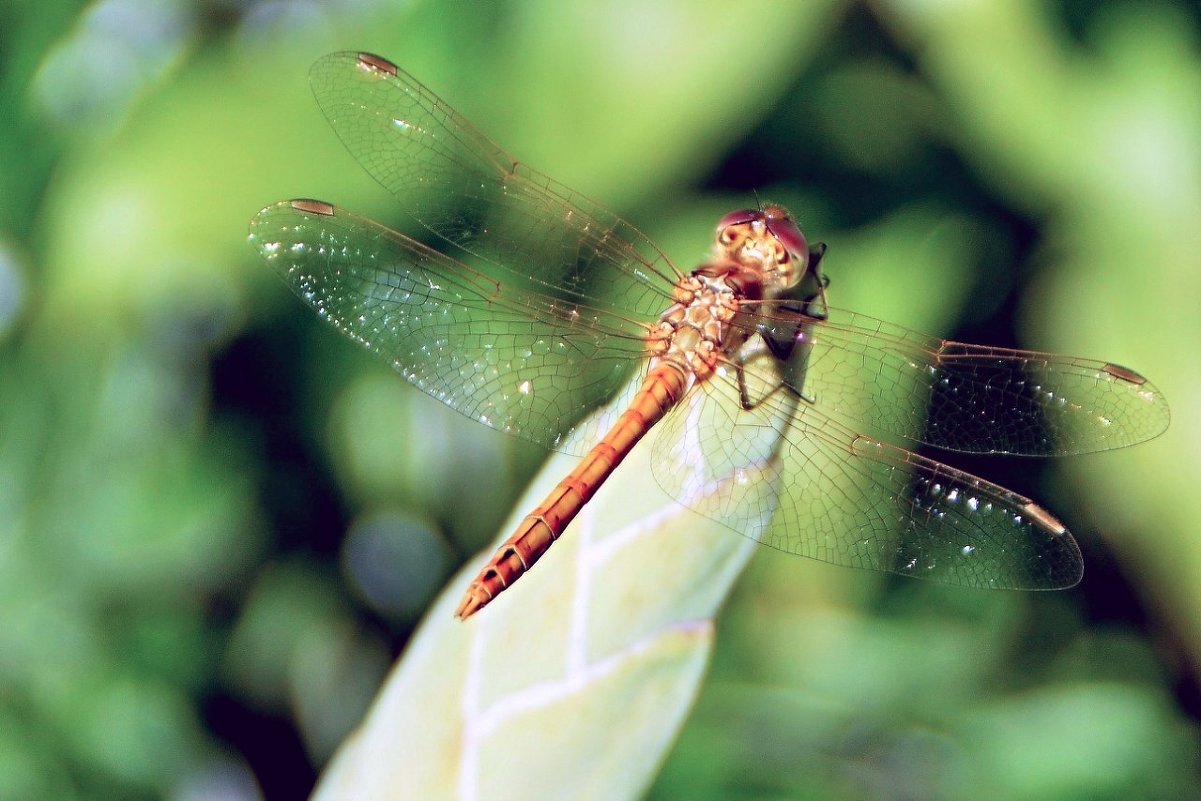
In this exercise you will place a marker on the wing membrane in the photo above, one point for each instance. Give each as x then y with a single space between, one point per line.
504 354
470 192
884 378
854 501
869 374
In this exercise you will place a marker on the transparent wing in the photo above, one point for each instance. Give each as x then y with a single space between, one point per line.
505 355
851 500
868 373
472 194
884 378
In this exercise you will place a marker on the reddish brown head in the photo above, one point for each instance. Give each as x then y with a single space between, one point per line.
766 238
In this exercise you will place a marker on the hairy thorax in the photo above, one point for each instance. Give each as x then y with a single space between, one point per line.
694 331
749 263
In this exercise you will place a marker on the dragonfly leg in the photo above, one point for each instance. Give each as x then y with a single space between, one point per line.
765 350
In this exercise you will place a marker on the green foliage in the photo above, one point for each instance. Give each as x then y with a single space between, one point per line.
610 632
183 451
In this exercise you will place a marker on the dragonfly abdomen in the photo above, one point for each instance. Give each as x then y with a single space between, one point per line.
661 390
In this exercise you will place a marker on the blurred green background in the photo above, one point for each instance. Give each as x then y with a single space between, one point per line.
220 522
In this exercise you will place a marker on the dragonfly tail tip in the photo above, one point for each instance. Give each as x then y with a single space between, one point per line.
468 606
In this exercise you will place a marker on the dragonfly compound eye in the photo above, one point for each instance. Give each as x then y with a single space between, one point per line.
786 231
740 217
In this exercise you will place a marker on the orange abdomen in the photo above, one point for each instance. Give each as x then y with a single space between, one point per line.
662 389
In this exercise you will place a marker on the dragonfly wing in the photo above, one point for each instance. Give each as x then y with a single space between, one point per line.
884 378
504 354
474 195
855 501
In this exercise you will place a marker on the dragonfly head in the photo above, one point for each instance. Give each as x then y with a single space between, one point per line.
767 239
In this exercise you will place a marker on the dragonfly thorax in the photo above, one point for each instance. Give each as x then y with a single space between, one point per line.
759 253
695 331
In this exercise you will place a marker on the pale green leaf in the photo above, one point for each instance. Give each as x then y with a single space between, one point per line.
571 684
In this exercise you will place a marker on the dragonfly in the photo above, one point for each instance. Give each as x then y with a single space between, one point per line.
520 303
